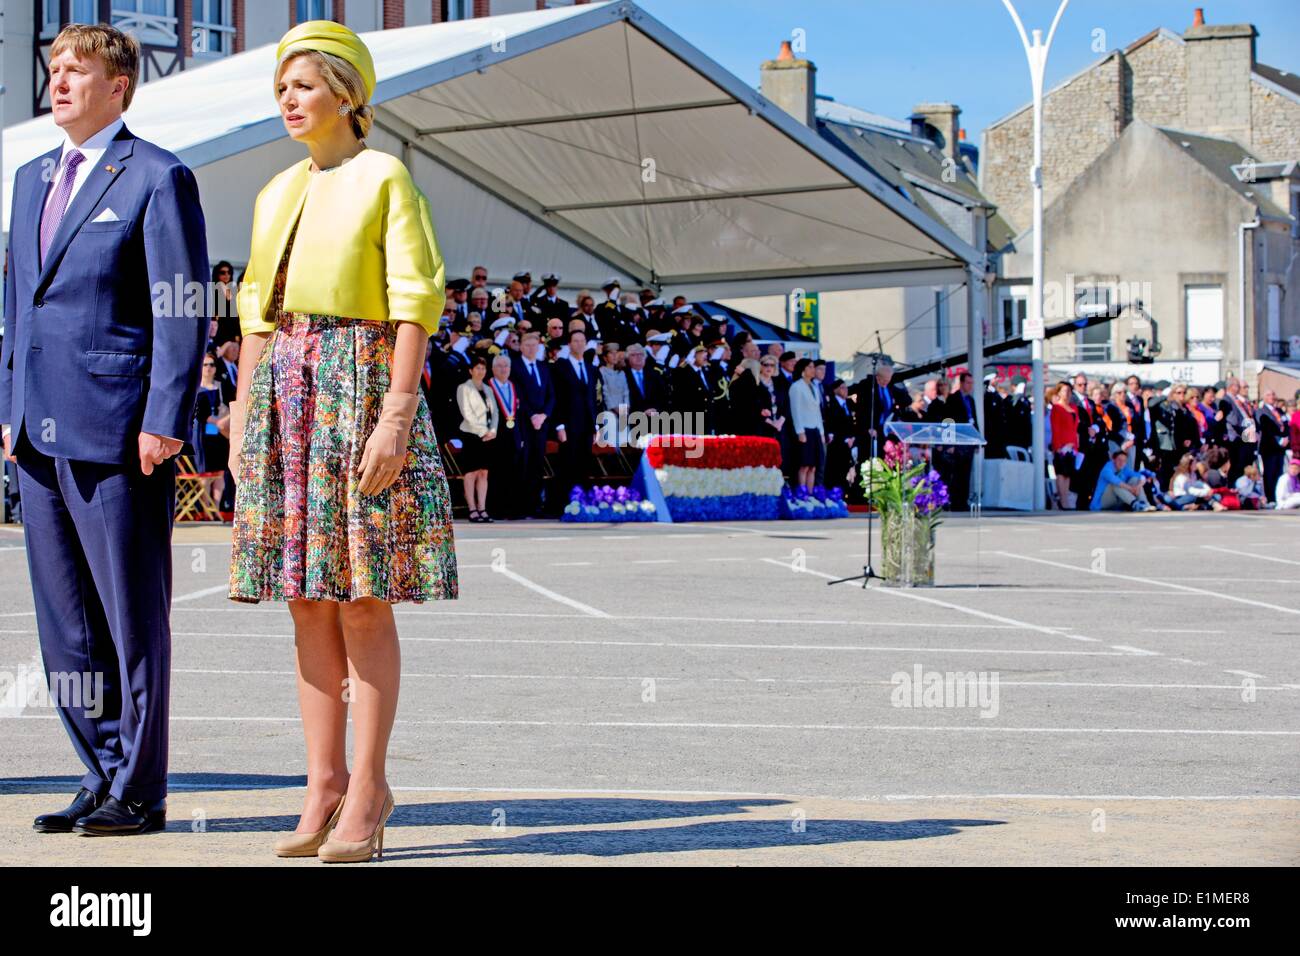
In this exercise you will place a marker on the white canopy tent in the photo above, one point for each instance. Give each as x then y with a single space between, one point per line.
587 140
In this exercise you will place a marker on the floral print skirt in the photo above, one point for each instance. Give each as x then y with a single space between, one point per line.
302 529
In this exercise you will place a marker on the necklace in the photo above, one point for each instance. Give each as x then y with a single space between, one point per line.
330 169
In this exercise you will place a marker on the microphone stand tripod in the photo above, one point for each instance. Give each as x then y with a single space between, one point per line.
868 572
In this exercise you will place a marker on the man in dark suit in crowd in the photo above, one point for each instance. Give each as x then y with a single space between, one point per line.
1274 438
961 409
645 387
1238 428
837 416
1133 398
532 377
879 399
693 393
228 368
575 416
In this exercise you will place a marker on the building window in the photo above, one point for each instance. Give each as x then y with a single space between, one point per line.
79 11
941 320
212 33
1203 313
315 10
460 9
151 21
1015 306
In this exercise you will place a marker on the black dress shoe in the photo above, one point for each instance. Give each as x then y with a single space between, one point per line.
61 822
123 818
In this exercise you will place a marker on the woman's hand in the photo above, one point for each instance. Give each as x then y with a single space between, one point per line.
803 437
385 451
490 434
237 414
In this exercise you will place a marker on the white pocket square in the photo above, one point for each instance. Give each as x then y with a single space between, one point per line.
106 216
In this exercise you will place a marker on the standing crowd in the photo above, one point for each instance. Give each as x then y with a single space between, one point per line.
1170 446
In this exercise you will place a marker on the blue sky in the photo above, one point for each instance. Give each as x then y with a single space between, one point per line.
888 56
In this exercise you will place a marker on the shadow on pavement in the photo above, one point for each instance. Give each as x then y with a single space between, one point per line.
550 812
716 835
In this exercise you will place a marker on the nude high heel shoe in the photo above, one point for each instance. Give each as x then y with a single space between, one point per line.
359 851
306 844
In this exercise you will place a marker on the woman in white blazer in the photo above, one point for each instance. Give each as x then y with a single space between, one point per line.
478 425
806 415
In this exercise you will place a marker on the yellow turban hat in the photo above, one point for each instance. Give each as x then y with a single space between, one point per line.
334 38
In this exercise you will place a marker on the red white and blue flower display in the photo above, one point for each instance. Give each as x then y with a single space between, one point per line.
724 478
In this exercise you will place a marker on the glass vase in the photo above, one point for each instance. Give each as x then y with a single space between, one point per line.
907 546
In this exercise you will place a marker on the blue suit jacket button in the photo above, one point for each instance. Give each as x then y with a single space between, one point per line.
40 303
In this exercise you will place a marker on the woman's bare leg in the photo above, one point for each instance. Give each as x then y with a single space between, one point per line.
375 668
322 670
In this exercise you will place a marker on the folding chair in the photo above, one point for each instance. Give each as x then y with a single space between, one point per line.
193 502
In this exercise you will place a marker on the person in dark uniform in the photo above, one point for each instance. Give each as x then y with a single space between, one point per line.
546 301
840 435
693 393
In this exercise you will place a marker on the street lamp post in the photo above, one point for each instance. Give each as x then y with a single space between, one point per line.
1036 51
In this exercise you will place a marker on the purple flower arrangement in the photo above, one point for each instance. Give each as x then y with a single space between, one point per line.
820 502
606 503
930 493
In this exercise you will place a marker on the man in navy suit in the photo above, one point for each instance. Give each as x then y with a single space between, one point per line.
98 376
575 415
532 377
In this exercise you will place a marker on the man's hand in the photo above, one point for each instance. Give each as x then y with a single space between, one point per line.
537 420
803 437
156 449
559 435
9 451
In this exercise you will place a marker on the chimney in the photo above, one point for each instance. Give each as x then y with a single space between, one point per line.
791 84
1220 58
939 123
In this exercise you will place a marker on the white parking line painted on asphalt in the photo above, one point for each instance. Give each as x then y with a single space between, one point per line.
1011 622
723 645
569 564
678 679
195 595
656 561
547 592
1247 674
1167 584
691 619
717 725
1179 630
1135 650
1248 554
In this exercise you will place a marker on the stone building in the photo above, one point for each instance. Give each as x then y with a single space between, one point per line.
1206 80
1170 181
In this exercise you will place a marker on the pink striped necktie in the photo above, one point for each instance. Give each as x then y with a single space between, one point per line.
59 202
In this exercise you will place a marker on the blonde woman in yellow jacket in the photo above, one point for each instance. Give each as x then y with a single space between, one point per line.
341 506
